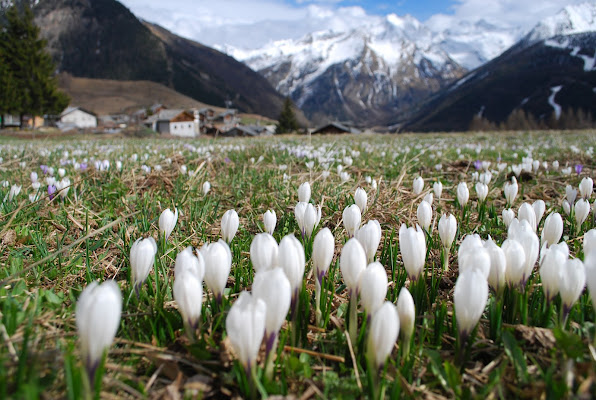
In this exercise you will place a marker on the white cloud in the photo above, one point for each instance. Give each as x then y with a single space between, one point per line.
505 13
253 23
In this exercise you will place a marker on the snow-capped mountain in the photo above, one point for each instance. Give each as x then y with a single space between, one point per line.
471 44
547 79
571 19
366 74
381 67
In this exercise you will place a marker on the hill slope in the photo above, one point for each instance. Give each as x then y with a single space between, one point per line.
103 39
106 96
546 77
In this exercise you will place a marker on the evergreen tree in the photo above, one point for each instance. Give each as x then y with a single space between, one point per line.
28 66
287 119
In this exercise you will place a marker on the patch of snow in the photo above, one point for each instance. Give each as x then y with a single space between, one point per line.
571 19
551 100
588 61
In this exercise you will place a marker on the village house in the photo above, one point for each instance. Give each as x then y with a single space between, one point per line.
77 117
334 128
174 122
228 118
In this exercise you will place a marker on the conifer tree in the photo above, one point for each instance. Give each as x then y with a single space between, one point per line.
28 66
287 119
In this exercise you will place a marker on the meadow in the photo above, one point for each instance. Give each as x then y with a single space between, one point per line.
520 324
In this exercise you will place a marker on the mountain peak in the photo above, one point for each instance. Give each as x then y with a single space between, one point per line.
571 19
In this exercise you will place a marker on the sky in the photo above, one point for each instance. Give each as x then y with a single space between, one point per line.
251 24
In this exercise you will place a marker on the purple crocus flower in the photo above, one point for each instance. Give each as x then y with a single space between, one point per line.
227 160
83 166
51 191
578 168
44 168
477 164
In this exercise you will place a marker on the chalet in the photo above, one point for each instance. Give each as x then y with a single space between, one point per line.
10 120
205 114
174 122
334 128
228 117
241 130
77 117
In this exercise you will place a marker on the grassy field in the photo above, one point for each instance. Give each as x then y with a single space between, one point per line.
53 246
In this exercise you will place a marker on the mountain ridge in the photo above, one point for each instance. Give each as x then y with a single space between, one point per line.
103 39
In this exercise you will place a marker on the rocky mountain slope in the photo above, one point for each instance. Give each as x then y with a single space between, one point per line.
103 39
365 75
543 78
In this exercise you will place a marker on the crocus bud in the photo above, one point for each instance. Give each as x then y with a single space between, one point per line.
14 191
463 193
245 326
186 260
438 189
299 211
469 296
481 191
429 198
188 293
369 236
566 207
523 233
586 187
352 262
510 190
570 194
97 316
273 287
550 270
552 229
526 213
475 257
322 252
218 262
33 176
447 230
167 222
539 207
263 252
352 218
424 214
142 256
383 333
498 265
61 172
508 215
589 241
514 254
582 209
360 199
571 285
269 220
407 313
229 225
206 187
590 266
304 192
412 244
373 287
292 260
418 185
312 217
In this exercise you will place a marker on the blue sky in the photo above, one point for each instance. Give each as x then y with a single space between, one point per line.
421 9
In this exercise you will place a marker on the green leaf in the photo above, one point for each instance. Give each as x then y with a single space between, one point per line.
570 343
516 356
